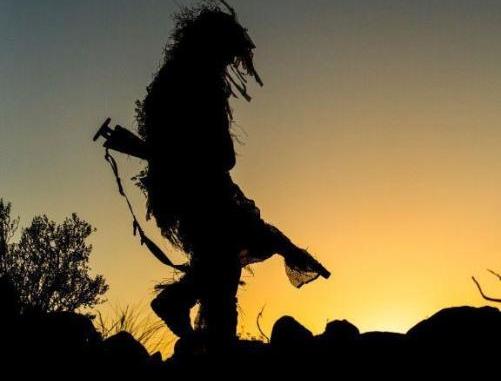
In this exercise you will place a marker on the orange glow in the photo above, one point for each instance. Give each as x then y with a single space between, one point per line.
375 143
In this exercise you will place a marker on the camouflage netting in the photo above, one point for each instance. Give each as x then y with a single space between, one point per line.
300 274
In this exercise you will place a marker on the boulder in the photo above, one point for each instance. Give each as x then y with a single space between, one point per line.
125 349
289 332
340 331
459 325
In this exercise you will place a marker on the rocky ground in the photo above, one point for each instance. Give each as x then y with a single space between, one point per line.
454 342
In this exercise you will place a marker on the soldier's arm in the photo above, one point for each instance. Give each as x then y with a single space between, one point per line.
279 243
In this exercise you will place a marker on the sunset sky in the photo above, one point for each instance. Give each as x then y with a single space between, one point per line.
375 143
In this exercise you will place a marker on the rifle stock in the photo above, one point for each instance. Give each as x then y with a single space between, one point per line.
122 140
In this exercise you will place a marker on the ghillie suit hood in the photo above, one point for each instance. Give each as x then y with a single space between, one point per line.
214 39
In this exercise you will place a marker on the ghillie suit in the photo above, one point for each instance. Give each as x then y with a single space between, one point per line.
185 124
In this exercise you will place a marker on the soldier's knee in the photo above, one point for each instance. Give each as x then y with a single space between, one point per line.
174 295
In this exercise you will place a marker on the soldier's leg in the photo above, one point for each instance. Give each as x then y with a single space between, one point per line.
173 305
219 301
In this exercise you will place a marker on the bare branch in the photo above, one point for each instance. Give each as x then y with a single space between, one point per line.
483 294
259 317
495 274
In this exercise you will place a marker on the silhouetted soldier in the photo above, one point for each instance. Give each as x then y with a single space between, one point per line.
185 126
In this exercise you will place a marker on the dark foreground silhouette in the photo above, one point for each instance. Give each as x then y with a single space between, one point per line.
66 345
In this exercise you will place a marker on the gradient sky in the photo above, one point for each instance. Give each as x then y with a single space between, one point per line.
374 143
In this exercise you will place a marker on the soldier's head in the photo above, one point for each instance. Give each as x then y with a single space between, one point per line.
212 35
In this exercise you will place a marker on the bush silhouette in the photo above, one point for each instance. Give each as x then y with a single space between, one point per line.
48 266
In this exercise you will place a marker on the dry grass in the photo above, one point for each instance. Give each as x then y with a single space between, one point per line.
137 321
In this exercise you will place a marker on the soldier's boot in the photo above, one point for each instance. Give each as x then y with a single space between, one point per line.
173 306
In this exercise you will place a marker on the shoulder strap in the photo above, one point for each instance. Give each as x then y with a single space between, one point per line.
137 229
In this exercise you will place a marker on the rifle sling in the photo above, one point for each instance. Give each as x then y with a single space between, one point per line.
145 240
